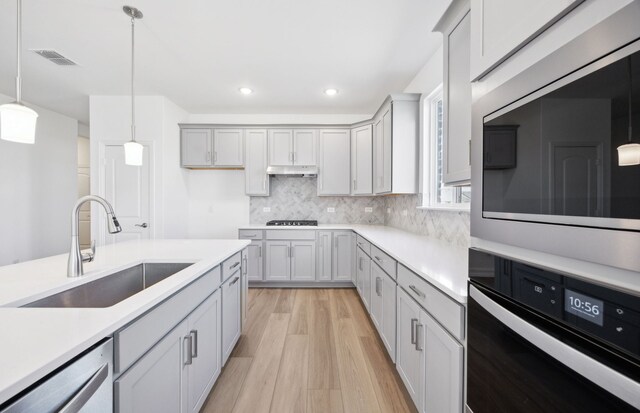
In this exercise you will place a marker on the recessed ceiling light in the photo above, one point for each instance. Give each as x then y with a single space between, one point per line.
245 90
331 92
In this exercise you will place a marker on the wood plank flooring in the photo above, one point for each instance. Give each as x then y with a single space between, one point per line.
308 351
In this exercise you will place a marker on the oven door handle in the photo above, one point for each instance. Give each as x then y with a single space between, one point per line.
609 379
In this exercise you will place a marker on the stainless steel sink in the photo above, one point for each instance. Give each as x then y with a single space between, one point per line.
111 289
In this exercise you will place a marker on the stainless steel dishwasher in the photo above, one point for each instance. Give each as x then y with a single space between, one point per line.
82 385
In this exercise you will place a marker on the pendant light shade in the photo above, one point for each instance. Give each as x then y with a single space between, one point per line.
629 153
18 122
132 149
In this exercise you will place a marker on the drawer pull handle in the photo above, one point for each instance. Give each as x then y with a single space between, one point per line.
414 321
234 265
415 290
378 258
250 235
189 359
235 280
194 349
418 344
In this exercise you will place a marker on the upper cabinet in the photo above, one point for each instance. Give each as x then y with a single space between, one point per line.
255 170
292 147
500 27
455 26
212 148
395 145
334 151
362 160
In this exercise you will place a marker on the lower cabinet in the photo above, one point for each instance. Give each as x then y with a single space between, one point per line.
364 282
324 261
342 255
410 354
244 292
254 261
383 307
231 318
177 374
290 260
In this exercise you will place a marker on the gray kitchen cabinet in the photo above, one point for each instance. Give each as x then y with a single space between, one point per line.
375 310
204 326
244 292
342 255
256 163
324 258
292 147
362 160
383 307
303 260
334 158
410 350
455 26
196 147
444 358
278 264
395 145
254 261
155 383
364 276
231 318
228 147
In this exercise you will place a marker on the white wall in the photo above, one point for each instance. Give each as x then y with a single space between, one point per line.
38 189
429 77
267 119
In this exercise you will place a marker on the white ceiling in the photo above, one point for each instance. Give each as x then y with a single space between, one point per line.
199 52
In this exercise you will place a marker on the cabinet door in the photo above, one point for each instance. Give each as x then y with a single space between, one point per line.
409 360
304 147
231 322
196 147
360 267
362 160
303 260
388 292
204 327
443 369
244 287
324 256
334 168
342 244
255 169
366 284
280 144
155 383
378 155
278 265
387 139
457 103
228 147
254 261
376 296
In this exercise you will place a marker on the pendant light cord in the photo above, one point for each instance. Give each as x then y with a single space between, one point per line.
630 98
19 54
133 92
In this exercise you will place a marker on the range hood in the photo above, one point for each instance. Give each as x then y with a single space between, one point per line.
302 171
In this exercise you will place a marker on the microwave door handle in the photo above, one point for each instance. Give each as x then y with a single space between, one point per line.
604 376
87 391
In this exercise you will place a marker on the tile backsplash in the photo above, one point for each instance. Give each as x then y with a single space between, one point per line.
450 226
296 198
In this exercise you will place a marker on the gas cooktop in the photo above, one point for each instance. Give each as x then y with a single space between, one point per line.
294 223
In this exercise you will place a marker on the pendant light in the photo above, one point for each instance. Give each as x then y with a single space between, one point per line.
18 122
132 149
629 153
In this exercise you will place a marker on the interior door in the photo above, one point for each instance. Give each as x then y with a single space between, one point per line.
576 178
280 142
127 188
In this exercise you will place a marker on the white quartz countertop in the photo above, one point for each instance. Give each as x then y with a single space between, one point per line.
38 340
443 265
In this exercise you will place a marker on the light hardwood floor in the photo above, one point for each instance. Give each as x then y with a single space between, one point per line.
308 350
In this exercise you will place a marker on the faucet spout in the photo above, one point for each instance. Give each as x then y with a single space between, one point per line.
76 258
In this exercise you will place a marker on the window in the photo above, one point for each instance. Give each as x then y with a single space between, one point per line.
435 193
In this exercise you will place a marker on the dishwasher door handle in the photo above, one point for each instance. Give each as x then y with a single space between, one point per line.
87 391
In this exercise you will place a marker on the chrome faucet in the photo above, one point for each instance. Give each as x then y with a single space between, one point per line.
77 257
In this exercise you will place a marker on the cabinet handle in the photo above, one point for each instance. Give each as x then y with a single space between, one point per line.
235 280
264 183
360 263
244 265
260 251
87 391
215 156
379 286
378 258
234 265
208 156
194 342
418 344
414 321
249 235
294 157
293 252
415 290
355 186
189 358
469 151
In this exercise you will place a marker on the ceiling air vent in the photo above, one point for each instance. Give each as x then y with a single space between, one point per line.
55 57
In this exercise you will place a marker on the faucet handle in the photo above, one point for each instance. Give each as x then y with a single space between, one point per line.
88 255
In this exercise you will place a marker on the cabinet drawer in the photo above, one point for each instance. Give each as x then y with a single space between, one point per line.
385 262
142 334
231 265
446 311
363 244
250 234
288 234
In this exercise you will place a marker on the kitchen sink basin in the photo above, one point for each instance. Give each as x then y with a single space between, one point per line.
111 289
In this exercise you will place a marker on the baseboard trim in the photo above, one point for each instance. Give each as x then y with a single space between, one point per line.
301 284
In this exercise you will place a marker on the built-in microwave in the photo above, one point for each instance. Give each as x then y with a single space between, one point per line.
546 167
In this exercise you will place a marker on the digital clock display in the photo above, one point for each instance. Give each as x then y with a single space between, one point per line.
583 306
